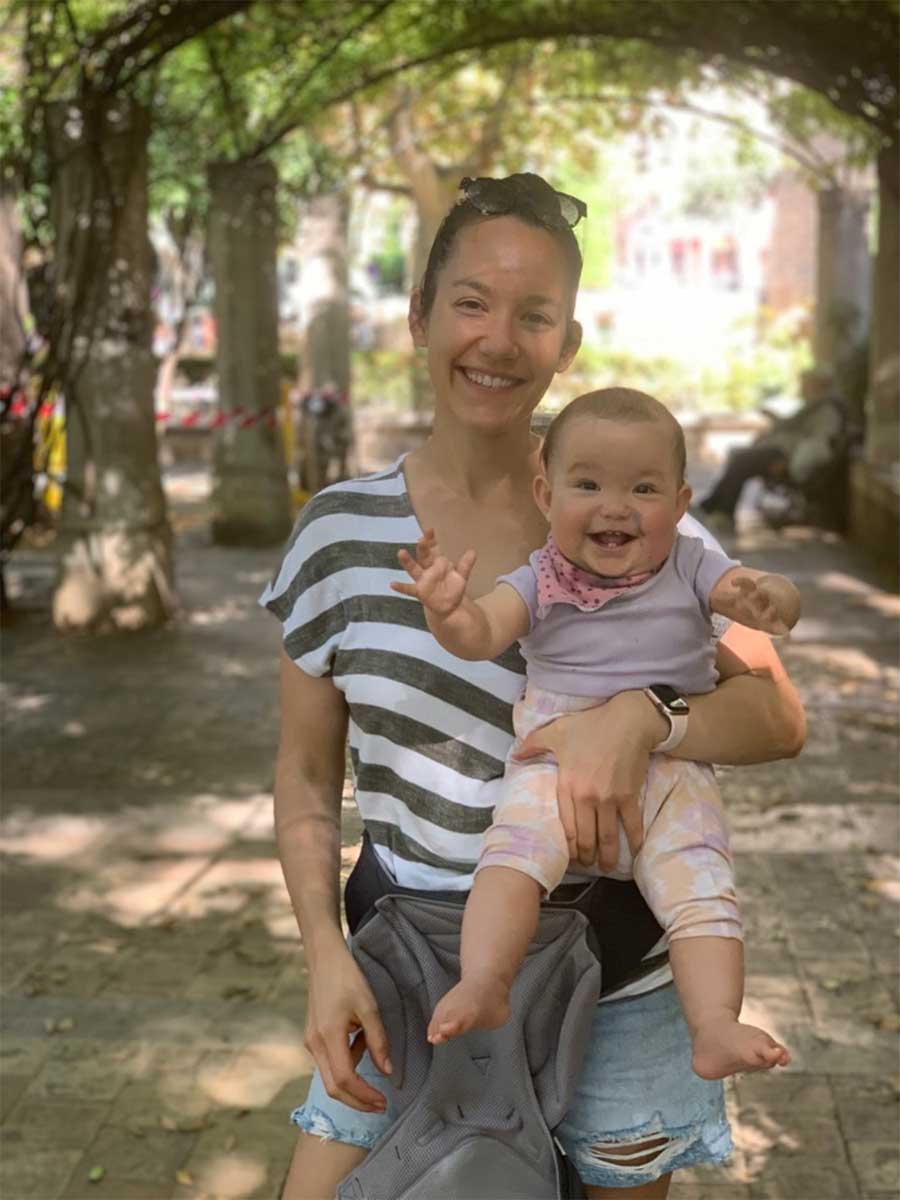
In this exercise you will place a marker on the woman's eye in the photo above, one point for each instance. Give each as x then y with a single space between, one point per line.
537 318
469 305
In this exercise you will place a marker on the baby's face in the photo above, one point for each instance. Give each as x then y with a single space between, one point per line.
613 497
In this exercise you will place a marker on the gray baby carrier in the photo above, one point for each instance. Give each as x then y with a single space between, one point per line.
476 1114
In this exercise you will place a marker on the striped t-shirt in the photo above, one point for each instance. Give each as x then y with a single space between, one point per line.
428 732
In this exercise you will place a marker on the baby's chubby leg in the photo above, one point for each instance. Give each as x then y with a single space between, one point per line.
498 925
709 975
524 856
685 873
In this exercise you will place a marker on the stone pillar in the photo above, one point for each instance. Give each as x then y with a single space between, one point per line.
883 402
843 274
324 286
251 501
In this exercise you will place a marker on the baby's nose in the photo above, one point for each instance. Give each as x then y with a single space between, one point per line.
615 505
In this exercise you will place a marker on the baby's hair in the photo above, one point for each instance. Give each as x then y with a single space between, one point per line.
616 404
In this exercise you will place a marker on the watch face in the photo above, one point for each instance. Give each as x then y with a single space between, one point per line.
670 698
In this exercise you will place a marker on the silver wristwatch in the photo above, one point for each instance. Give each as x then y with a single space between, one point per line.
674 708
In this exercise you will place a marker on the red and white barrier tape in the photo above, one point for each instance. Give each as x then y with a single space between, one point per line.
242 418
21 406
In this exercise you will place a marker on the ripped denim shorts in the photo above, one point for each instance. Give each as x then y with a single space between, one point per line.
637 1086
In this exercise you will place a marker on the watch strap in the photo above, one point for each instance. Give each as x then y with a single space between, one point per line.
678 725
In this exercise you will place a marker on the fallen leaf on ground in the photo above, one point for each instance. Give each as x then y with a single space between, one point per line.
184 1177
184 1124
238 992
95 1174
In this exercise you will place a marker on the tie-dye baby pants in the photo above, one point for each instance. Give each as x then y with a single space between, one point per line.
684 868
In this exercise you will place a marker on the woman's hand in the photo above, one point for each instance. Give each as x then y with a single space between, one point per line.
341 1003
603 754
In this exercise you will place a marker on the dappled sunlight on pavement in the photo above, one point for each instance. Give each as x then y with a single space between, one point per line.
154 980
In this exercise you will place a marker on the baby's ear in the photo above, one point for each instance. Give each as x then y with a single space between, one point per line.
682 501
542 493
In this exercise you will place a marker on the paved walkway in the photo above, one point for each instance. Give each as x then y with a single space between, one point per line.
154 982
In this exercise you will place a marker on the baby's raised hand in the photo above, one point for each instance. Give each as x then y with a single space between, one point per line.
767 602
438 583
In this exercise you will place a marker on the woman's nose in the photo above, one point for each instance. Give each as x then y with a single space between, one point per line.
498 339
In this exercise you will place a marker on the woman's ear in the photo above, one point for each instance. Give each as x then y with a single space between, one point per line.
572 345
418 323
542 493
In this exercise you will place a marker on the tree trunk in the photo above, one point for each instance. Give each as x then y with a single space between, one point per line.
324 285
843 275
16 434
883 400
325 366
434 192
13 303
251 501
116 568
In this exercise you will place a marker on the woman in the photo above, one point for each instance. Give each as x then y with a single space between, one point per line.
428 732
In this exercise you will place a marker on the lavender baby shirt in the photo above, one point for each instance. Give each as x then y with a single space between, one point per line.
658 632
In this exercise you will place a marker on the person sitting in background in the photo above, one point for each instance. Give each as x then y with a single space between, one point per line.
794 451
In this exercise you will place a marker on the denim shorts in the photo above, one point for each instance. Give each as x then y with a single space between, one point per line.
636 1085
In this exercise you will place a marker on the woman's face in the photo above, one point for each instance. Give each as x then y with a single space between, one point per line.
499 327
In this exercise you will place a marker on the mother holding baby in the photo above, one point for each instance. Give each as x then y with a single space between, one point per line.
429 732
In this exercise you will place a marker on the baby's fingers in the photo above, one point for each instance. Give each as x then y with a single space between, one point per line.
426 548
744 584
409 564
466 563
405 589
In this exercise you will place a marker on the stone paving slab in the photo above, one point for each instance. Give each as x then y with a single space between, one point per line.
153 979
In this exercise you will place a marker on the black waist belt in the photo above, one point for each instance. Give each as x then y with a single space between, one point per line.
622 927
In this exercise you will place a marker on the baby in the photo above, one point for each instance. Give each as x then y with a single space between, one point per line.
616 599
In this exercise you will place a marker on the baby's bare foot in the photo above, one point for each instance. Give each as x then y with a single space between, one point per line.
475 1003
726 1047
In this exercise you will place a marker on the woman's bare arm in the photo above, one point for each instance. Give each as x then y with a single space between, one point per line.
309 780
755 715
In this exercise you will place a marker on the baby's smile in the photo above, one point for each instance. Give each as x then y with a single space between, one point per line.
611 539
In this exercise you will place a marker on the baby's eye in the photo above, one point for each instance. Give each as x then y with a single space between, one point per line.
645 489
587 485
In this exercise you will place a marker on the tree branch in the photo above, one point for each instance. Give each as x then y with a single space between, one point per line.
232 115
817 166
280 125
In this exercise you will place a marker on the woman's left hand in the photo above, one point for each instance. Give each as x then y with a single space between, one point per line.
602 754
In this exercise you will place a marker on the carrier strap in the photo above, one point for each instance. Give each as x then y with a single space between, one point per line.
622 929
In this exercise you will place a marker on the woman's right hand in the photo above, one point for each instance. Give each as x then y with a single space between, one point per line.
341 1003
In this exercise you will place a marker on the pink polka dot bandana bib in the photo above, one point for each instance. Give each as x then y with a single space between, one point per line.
561 582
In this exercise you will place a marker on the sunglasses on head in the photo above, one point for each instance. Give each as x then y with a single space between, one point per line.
524 193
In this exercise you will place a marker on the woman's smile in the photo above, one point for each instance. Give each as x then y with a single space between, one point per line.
491 382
